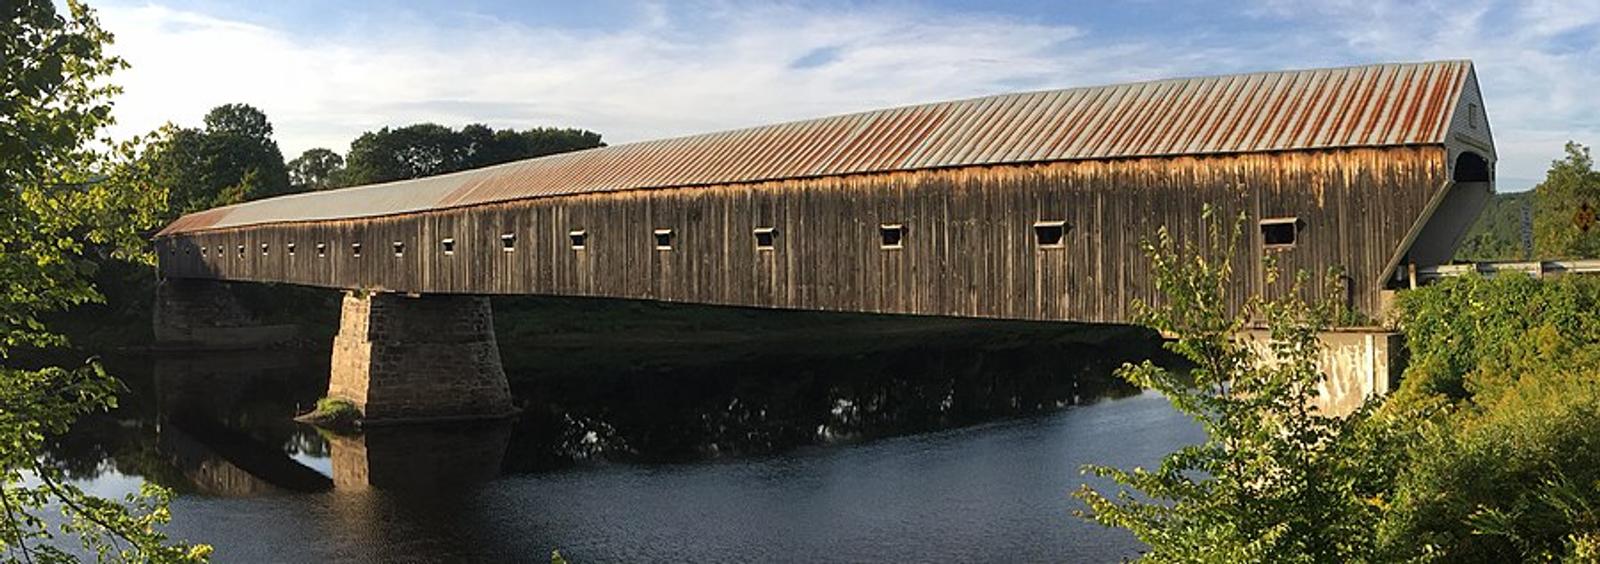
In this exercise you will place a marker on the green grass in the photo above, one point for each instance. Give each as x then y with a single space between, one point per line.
333 413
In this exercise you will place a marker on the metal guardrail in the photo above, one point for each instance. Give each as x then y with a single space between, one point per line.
1537 269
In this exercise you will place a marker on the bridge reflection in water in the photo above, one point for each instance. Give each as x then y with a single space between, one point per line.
221 421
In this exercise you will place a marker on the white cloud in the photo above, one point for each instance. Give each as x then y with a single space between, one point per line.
653 80
731 65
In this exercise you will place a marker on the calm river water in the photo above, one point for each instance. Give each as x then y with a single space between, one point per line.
939 441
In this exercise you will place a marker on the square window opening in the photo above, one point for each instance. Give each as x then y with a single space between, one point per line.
580 239
399 248
663 239
264 249
448 245
202 251
322 250
1050 234
891 235
219 251
765 238
508 242
289 247
241 251
355 250
1279 233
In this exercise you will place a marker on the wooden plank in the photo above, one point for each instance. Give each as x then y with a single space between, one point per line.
969 248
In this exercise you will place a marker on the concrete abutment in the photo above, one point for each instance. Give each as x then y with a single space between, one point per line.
1357 364
399 358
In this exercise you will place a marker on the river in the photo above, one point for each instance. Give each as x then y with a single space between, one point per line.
904 441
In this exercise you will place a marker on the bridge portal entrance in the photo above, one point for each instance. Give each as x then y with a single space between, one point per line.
1470 189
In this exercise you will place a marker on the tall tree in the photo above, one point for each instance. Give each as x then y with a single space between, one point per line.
231 160
414 151
1566 212
427 149
315 169
242 120
59 195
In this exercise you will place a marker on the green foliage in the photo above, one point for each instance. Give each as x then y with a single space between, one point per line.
34 404
1471 336
233 159
335 414
239 120
1566 213
60 199
1487 453
428 149
338 409
1504 395
316 169
1517 481
1497 234
1270 483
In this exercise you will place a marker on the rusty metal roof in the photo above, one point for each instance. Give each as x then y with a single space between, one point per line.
1374 105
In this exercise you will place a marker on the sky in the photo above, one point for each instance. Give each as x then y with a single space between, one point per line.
324 72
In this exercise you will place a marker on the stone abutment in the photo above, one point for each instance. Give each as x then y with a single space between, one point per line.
206 315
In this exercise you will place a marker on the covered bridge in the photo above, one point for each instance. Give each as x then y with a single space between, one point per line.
1021 206
1014 206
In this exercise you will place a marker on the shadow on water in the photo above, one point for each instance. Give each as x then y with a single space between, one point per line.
622 388
218 424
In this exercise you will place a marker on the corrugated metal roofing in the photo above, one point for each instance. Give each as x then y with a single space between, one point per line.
1374 105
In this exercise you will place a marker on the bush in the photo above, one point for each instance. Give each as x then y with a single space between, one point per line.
1519 480
1487 453
1503 397
1472 335
1272 482
333 413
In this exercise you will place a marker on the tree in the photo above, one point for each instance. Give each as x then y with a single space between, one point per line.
428 149
233 159
413 151
315 169
1566 216
1269 484
1498 232
242 120
58 196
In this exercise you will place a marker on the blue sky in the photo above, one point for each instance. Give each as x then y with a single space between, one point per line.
326 71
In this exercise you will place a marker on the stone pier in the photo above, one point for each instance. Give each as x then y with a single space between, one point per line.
400 358
206 315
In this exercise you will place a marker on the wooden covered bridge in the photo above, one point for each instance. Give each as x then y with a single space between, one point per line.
1017 206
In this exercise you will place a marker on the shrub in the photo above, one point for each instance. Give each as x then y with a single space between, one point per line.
1473 335
1488 453
1503 397
1271 482
333 413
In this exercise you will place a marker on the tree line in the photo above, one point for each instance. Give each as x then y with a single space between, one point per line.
1556 220
233 157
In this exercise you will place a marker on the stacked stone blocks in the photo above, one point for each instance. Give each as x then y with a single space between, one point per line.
430 357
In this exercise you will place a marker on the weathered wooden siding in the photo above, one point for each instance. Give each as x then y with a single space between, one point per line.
969 246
